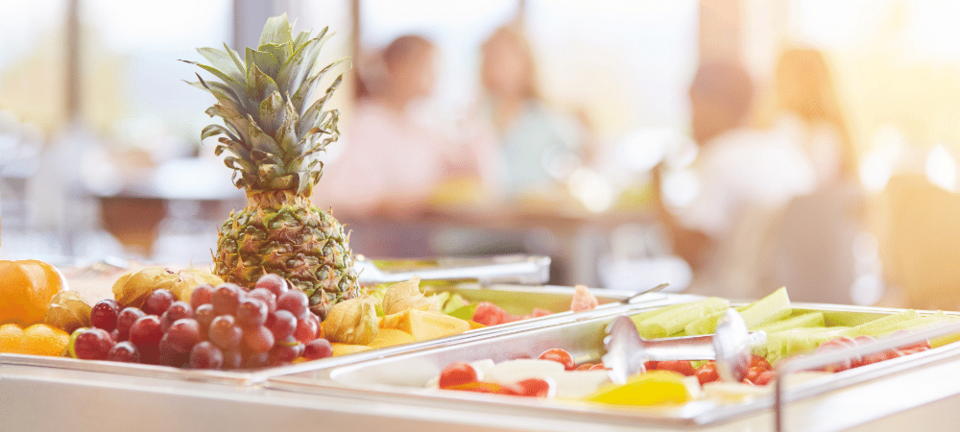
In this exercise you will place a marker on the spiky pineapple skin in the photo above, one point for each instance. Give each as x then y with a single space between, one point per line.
302 243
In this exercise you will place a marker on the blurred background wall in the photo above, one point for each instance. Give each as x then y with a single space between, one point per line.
100 153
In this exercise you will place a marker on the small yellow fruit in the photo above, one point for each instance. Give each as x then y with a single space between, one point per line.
10 337
43 339
340 349
424 325
657 387
391 337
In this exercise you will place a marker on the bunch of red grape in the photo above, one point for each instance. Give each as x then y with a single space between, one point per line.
223 327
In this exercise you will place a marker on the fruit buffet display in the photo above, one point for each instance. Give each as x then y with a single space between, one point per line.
283 288
791 333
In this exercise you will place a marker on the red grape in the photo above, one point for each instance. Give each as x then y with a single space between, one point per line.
125 319
266 297
158 302
251 313
204 316
232 359
283 324
225 333
258 340
273 283
184 334
169 355
201 295
206 355
115 335
317 349
254 361
125 352
294 301
93 344
284 353
226 298
146 333
306 330
104 314
178 310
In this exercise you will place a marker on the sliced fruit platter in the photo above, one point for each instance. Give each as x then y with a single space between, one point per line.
565 362
191 320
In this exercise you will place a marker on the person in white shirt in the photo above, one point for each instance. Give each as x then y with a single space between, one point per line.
743 177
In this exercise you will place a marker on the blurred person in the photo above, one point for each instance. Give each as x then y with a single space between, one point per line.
813 247
534 141
392 159
744 177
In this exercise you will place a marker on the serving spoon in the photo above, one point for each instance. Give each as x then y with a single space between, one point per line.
731 346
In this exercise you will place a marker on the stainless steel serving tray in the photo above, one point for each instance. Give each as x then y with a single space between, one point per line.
405 375
515 298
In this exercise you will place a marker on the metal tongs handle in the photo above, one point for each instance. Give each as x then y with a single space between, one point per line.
531 270
826 358
730 346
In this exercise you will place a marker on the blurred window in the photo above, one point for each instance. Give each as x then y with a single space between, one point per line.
628 64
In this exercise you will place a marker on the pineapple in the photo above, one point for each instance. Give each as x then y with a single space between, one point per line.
274 135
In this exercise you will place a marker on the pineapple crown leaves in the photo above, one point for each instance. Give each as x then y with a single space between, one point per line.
273 132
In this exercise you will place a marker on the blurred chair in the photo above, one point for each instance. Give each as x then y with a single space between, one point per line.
811 248
921 251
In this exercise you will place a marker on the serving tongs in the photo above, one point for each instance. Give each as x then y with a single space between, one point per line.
731 346
519 269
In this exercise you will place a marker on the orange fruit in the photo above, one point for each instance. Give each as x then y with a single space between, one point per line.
26 288
43 339
10 336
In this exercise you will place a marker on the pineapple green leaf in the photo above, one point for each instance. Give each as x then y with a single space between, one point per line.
290 70
224 94
305 92
259 85
309 60
238 164
302 180
303 37
272 113
234 147
236 59
265 61
232 83
214 130
312 115
222 61
277 30
258 140
281 52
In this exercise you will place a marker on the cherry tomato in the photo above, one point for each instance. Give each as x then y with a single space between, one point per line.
682 366
561 356
598 366
759 361
764 378
585 366
841 343
707 372
752 374
458 373
650 365
910 349
537 387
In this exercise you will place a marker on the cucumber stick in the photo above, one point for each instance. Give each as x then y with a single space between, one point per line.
813 319
674 320
771 308
881 326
